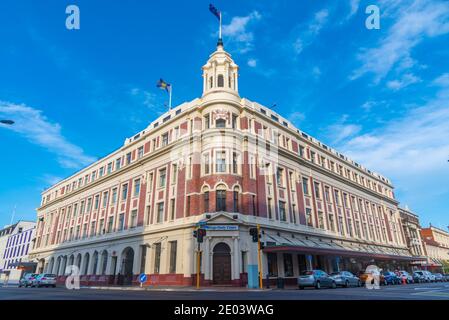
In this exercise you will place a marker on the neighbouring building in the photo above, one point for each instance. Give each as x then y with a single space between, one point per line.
229 163
412 232
15 243
437 247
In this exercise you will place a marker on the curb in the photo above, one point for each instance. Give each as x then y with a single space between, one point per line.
173 289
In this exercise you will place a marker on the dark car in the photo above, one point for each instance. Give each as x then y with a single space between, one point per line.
346 279
317 279
391 277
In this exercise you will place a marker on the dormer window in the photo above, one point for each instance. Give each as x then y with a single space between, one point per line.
220 81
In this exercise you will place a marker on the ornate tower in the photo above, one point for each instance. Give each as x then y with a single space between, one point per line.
220 73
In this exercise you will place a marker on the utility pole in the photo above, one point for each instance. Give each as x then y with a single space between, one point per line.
259 256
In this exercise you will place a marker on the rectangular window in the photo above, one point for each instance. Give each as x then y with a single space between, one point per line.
97 202
272 264
207 121
101 171
92 229
172 209
320 220
118 163
206 163
234 163
109 170
157 258
165 139
105 199
309 221
288 265
134 218
327 194
174 173
316 186
128 158
282 212
173 253
121 221
162 177
140 152
136 188
110 223
221 162
82 207
280 177
206 201
124 191
102 230
221 200
236 201
114 195
89 205
305 186
270 209
160 212
234 121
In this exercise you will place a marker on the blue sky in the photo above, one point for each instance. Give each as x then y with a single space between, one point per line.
379 96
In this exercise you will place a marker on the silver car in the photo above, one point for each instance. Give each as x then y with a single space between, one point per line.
27 280
45 280
317 279
346 279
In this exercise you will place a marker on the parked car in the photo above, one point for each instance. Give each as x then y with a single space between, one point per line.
317 279
429 275
405 275
391 277
27 280
44 280
345 279
419 277
438 277
363 276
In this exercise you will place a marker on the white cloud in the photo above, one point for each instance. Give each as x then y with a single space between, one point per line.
412 150
296 117
252 63
354 7
316 72
237 31
442 81
406 80
340 132
415 21
307 36
37 129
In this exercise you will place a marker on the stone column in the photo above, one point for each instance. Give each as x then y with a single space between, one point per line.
207 256
236 258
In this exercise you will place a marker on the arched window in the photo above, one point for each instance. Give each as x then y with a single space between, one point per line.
236 199
221 198
220 123
206 201
220 81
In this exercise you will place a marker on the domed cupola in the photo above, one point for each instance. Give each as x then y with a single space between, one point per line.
220 74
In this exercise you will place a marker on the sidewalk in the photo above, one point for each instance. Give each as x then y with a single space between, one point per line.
174 288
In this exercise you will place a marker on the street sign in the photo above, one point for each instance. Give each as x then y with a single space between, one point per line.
201 223
222 228
143 278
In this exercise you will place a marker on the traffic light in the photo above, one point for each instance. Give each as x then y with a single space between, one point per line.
195 233
253 232
201 233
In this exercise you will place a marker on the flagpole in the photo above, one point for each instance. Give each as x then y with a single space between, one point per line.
169 99
220 28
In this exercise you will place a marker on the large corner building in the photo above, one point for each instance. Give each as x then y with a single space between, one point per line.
229 163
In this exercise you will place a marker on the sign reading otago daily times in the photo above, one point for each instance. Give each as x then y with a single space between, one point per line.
221 228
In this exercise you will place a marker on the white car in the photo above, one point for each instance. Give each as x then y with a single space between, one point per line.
429 276
44 280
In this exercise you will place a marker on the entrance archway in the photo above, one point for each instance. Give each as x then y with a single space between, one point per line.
127 265
222 264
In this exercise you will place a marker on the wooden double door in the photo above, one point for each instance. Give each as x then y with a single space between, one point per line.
222 264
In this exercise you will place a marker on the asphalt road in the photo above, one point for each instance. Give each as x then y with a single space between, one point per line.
433 291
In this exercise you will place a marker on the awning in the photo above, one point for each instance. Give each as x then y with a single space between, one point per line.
276 243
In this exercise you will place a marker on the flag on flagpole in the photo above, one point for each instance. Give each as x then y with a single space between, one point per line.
161 84
215 11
